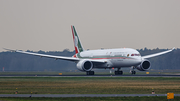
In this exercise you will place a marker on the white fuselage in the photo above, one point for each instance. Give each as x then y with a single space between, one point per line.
115 58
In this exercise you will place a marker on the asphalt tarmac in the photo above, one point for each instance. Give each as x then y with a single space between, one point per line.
82 95
147 75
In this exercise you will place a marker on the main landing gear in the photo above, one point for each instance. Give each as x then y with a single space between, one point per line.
89 72
118 72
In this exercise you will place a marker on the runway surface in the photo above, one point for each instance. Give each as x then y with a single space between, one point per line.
150 75
82 95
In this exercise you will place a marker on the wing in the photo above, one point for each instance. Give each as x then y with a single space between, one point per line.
57 57
157 54
45 55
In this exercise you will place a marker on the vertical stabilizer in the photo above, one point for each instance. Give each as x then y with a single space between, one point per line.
77 43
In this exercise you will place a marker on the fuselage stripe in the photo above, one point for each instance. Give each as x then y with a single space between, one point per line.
74 39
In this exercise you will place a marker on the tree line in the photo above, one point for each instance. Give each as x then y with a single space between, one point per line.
12 61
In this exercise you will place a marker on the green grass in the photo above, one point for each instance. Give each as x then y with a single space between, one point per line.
89 85
93 99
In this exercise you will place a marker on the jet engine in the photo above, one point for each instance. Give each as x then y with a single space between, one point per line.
85 65
144 66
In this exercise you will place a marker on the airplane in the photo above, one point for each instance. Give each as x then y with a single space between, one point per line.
118 58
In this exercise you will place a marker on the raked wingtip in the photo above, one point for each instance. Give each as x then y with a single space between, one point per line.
9 50
173 48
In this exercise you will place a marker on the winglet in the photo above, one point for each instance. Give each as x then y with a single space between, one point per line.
173 48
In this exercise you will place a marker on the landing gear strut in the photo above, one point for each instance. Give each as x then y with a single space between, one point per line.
118 72
89 72
132 71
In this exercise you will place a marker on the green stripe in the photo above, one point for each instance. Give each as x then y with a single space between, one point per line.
78 55
80 49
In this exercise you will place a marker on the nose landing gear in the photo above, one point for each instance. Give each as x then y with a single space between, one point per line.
90 73
132 70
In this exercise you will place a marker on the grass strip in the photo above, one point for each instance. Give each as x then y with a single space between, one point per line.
93 99
89 85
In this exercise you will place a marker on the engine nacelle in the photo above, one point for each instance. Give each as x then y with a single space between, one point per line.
85 65
144 66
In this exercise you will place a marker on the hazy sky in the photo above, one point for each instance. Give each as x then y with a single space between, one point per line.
46 24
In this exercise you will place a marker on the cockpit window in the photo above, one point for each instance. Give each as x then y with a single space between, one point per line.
135 54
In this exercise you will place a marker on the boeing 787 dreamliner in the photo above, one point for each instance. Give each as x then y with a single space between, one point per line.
118 58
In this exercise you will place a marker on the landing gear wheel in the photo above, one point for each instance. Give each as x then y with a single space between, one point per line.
133 72
118 72
90 73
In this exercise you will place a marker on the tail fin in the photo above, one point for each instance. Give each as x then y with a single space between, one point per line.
77 43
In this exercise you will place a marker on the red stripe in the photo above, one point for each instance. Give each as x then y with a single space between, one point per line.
76 50
74 56
74 39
